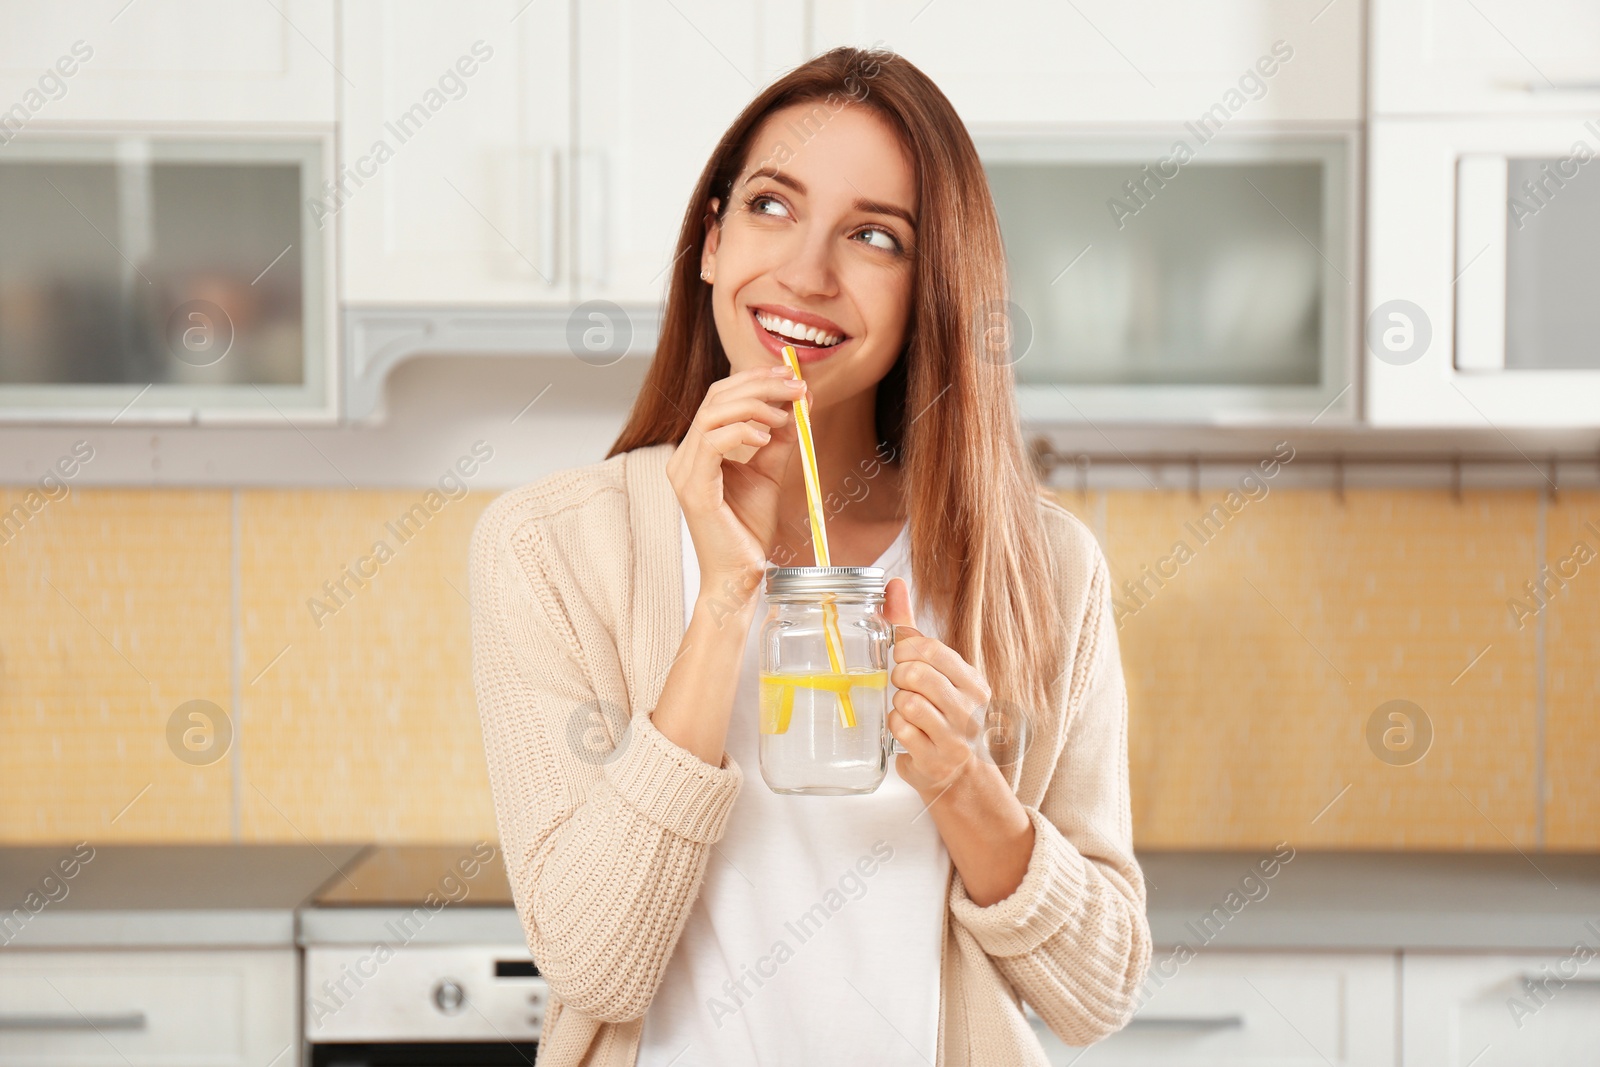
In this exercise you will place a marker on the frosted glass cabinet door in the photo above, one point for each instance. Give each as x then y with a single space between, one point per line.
1146 288
152 279
1526 264
1552 271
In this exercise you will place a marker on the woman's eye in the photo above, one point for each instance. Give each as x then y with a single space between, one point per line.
881 239
758 205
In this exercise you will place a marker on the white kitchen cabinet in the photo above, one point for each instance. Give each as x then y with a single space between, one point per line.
163 277
1479 305
1500 1011
1231 1008
206 1008
658 84
1101 61
454 143
1465 57
149 61
1233 300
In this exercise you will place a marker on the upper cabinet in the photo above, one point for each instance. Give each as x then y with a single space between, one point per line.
1148 286
1482 274
1484 212
153 61
1213 213
171 277
1454 57
1178 187
454 141
1103 61
658 84
158 263
496 152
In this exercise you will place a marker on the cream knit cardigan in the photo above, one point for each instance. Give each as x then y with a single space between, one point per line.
607 826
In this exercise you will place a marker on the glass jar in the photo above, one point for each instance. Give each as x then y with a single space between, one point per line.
824 681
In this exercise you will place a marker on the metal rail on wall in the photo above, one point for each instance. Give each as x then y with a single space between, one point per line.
1547 467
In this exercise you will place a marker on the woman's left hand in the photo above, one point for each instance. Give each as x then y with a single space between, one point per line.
938 709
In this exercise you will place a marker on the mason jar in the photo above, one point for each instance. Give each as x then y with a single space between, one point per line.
824 681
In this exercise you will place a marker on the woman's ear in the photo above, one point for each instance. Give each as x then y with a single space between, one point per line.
708 251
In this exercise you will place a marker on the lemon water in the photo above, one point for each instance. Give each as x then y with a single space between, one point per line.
778 693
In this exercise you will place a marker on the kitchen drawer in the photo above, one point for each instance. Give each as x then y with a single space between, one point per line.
1496 1011
129 1009
1231 1008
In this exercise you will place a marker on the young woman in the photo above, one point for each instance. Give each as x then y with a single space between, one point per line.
681 914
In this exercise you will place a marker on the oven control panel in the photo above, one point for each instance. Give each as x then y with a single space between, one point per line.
409 992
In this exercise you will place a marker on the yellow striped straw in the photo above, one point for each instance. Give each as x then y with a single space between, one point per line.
819 537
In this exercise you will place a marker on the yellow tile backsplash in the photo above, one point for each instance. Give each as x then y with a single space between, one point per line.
1571 590
1254 672
1263 658
117 611
359 716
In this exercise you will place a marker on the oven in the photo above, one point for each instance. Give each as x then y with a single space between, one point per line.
415 957
407 1005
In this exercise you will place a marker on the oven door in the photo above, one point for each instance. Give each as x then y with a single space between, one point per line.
426 1054
421 1005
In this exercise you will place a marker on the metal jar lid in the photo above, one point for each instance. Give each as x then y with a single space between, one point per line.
814 581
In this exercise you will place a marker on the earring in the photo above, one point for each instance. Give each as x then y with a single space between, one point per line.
705 277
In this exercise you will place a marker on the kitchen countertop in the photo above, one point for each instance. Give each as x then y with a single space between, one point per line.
253 894
1374 900
162 895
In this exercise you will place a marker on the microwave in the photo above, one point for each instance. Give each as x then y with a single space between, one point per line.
1181 275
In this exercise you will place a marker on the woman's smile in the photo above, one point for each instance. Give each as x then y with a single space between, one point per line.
813 336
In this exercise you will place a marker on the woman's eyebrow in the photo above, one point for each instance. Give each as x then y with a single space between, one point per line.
871 207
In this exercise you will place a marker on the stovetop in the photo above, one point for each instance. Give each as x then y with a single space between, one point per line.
385 876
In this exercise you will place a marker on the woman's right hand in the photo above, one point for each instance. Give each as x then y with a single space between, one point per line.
729 493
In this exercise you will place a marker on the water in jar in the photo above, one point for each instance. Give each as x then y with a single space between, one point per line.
823 733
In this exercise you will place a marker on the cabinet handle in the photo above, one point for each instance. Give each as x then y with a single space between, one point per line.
133 1020
1563 87
550 224
1536 978
1187 1022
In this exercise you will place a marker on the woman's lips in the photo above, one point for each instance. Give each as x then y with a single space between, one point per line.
804 352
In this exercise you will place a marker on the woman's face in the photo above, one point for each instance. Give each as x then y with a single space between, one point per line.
816 249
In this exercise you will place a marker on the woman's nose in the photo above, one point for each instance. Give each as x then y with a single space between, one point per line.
810 271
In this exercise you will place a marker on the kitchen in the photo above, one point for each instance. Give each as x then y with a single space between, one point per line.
1301 325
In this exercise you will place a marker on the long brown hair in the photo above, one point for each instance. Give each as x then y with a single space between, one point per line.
947 406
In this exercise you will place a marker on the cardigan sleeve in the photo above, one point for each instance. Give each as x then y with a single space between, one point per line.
1073 939
605 846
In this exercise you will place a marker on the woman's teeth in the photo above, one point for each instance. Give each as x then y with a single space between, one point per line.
793 331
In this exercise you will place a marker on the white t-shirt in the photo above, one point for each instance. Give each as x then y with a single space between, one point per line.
816 936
